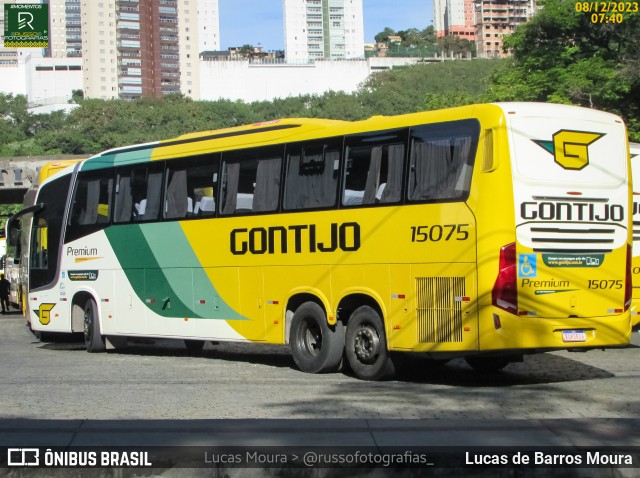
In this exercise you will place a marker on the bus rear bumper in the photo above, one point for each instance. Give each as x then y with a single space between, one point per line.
512 332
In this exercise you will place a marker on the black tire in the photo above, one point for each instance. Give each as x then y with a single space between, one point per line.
487 364
366 345
194 345
316 346
92 338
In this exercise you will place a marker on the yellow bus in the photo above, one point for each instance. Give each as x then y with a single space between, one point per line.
634 151
16 265
483 232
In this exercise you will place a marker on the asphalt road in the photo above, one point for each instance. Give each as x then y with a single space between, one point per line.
161 380
156 396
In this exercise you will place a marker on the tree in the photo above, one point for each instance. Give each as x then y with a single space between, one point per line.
384 35
452 45
246 51
561 56
77 96
426 86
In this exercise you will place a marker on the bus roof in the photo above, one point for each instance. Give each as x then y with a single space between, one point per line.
299 129
49 169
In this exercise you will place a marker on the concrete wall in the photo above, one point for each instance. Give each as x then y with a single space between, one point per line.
242 80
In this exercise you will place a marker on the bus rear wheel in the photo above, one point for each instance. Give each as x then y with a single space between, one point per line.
316 347
366 345
92 338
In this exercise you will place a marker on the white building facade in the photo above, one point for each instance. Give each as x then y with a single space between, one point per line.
208 25
323 29
251 81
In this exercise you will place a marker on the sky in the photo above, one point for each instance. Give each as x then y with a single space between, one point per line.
260 22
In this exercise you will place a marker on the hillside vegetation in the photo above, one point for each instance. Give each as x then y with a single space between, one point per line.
97 125
559 56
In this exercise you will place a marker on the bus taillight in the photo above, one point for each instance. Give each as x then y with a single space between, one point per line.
628 290
505 291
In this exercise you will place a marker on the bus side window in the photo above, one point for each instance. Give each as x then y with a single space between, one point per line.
373 174
251 181
177 202
39 259
91 200
123 207
146 191
441 160
191 186
312 175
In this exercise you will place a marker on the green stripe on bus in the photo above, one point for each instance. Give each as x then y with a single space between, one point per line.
173 275
117 159
174 254
152 287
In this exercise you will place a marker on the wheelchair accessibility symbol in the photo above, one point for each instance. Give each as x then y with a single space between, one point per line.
527 265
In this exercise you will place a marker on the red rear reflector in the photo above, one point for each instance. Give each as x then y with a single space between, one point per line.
505 289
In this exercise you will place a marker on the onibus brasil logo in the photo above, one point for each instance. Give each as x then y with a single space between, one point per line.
570 149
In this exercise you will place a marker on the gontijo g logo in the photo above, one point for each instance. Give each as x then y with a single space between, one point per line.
26 25
570 149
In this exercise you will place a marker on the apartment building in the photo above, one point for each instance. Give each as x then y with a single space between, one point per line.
497 18
134 48
455 17
323 29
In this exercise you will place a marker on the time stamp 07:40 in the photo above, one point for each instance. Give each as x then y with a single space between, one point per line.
608 12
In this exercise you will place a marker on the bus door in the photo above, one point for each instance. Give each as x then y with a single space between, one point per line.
44 255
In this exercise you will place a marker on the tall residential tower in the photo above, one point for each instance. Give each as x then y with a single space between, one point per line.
133 48
454 17
323 29
497 18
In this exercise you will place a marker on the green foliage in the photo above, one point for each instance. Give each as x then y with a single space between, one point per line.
427 86
7 210
77 96
97 125
384 35
560 56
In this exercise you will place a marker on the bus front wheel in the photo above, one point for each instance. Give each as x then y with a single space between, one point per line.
366 345
92 338
316 347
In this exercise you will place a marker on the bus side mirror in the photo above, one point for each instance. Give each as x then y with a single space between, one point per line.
13 231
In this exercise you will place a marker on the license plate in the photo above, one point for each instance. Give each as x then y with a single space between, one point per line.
574 336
